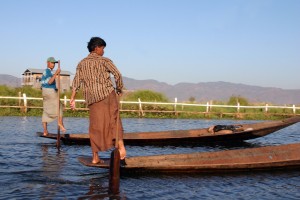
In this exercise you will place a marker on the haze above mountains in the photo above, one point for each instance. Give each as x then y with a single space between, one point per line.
202 91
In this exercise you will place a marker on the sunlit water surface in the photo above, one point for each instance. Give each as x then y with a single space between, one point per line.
32 168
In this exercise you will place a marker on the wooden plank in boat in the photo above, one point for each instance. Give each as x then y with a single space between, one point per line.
87 161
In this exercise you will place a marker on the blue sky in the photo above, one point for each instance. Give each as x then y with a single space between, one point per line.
253 42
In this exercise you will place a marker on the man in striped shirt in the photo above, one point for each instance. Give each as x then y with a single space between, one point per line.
93 76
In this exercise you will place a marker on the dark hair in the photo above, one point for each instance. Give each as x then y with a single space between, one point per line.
95 42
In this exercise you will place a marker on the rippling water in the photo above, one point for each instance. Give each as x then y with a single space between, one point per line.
32 167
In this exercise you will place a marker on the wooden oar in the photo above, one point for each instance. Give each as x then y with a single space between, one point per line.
114 168
58 108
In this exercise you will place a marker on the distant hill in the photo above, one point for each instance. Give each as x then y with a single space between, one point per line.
9 80
202 92
220 91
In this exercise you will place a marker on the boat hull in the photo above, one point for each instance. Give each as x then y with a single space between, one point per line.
194 136
262 158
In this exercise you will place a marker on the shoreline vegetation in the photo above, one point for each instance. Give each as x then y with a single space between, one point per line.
161 111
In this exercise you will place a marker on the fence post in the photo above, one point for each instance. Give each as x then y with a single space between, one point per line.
266 108
175 102
238 107
65 101
207 107
141 113
25 102
294 109
20 100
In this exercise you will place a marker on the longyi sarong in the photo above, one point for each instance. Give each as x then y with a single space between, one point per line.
103 123
50 103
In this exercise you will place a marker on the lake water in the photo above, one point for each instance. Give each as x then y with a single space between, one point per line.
32 168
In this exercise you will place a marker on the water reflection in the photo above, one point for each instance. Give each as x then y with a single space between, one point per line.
32 168
98 189
53 161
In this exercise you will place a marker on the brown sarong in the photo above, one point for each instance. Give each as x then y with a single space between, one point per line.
103 126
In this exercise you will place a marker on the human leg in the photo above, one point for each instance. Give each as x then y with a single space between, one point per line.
96 158
99 129
122 150
61 124
117 124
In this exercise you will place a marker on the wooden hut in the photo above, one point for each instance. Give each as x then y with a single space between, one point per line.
32 77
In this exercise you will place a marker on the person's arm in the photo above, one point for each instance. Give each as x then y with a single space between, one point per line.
75 88
52 79
72 99
117 75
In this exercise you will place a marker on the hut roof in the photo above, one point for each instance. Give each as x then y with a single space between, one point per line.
40 71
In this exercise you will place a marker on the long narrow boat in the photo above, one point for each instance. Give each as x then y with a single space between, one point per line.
262 158
193 136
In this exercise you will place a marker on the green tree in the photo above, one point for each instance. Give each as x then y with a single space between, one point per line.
192 99
6 91
146 95
233 100
29 91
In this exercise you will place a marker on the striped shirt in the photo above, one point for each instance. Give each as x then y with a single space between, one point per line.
93 75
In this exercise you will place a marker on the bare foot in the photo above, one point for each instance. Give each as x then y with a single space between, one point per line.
95 161
211 129
99 161
45 133
96 158
62 128
122 150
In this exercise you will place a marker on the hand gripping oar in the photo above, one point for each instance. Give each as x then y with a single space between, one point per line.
114 167
58 108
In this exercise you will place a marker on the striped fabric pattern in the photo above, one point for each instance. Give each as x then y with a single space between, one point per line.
93 75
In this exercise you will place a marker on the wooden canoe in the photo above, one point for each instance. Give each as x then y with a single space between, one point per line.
260 158
193 136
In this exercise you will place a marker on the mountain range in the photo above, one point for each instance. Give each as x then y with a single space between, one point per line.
9 80
219 91
201 92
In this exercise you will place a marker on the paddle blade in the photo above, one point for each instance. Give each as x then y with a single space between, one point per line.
114 172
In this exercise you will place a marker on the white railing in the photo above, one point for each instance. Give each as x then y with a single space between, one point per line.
23 98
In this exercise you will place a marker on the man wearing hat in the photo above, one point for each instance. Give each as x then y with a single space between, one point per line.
50 96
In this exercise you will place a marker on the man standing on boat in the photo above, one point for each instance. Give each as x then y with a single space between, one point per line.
93 75
50 96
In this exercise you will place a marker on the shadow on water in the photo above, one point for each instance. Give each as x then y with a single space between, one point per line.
233 145
221 145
